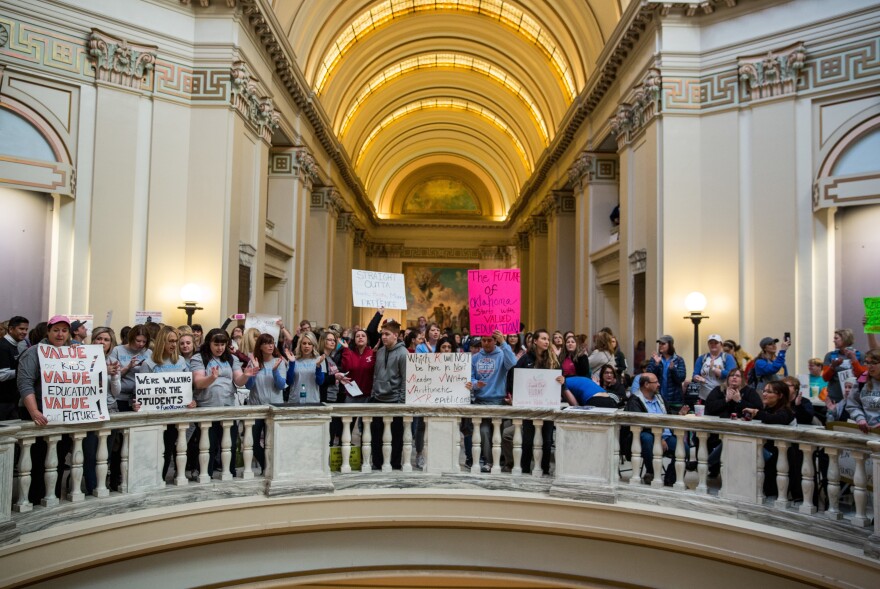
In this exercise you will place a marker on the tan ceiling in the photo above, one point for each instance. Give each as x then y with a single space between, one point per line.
415 87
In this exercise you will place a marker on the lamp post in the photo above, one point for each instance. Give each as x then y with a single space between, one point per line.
695 303
190 293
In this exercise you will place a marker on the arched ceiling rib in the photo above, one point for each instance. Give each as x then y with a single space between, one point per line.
416 86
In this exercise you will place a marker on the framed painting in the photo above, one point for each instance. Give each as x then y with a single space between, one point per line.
438 292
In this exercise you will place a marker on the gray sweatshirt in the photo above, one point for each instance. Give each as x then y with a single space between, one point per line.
389 379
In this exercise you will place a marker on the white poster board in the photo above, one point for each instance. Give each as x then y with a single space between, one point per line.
141 317
842 376
537 388
263 324
74 383
88 319
804 379
163 391
378 289
438 379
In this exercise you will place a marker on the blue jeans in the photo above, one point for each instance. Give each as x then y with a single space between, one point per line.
647 439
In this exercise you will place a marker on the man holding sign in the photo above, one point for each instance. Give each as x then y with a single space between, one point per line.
494 301
489 369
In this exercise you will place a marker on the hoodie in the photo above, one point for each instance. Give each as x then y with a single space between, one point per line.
491 369
389 377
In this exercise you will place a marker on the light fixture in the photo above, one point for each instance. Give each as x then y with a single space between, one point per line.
695 303
190 293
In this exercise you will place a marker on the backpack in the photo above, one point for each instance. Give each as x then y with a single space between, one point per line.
751 376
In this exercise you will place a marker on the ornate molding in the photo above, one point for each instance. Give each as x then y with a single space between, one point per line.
638 261
307 165
537 225
116 61
246 253
639 109
258 111
522 240
594 166
692 7
207 3
344 222
772 74
558 202
4 36
327 198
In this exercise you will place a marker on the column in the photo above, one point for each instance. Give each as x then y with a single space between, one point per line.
525 278
324 208
559 209
341 269
538 266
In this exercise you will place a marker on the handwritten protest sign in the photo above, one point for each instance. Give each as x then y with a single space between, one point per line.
378 289
494 301
141 317
88 319
872 312
74 383
163 391
537 388
438 379
263 323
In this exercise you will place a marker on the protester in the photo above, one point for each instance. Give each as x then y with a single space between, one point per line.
670 370
842 358
130 356
489 368
712 367
388 387
12 345
266 387
864 402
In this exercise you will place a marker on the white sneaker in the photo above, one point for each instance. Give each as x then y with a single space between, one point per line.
420 461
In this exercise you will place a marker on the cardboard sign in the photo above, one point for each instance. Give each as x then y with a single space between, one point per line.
378 289
263 324
537 388
872 313
163 391
438 379
494 301
88 319
141 317
74 383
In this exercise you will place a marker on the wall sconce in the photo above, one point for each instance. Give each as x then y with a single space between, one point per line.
695 303
190 293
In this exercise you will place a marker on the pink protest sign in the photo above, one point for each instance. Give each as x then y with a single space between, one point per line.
494 299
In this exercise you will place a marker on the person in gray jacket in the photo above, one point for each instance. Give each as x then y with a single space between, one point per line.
388 387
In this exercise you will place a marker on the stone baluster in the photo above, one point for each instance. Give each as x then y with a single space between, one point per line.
538 449
204 451
226 451
123 460
51 475
247 449
386 443
180 455
76 468
406 458
426 439
476 446
367 447
702 461
103 454
833 511
782 475
808 483
680 460
496 445
860 491
268 441
618 455
636 477
760 474
516 467
346 445
24 477
658 457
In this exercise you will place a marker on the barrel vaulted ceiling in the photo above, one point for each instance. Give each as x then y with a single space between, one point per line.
446 106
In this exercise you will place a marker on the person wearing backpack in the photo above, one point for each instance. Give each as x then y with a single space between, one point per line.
769 362
713 367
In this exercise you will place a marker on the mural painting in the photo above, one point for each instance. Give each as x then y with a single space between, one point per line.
438 292
441 194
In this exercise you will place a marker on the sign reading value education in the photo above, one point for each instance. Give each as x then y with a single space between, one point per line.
494 301
537 388
438 379
263 324
378 289
74 383
163 391
872 312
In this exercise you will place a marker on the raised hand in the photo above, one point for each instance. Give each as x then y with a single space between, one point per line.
215 372
278 362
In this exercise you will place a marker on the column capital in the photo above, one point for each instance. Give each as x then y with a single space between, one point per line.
591 166
639 107
118 62
327 198
774 73
638 261
558 202
306 165
245 97
246 254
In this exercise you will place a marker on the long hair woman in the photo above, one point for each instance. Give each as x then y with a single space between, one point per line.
304 375
266 387
135 352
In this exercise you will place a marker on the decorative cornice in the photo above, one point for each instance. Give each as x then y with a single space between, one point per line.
593 166
327 198
639 109
558 202
119 62
344 222
772 74
256 110
638 261
522 240
4 36
307 165
690 8
207 3
246 253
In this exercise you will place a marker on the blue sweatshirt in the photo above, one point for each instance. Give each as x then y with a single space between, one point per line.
491 369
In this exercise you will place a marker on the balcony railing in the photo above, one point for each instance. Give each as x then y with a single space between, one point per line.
837 476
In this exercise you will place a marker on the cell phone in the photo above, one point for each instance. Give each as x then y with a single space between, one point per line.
239 316
787 336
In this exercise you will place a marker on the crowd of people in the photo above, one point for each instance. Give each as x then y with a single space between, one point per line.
339 364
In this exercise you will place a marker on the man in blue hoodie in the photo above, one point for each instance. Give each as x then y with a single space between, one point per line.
489 369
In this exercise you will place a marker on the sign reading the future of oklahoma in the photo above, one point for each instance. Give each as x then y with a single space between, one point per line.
378 289
74 383
494 301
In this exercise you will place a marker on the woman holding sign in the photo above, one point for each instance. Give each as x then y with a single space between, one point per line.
216 374
166 358
130 356
266 387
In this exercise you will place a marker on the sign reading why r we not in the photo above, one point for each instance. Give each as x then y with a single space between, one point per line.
872 314
438 379
494 301
163 391
74 383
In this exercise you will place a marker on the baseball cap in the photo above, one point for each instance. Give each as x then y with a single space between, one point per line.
58 319
76 325
768 340
715 337
666 339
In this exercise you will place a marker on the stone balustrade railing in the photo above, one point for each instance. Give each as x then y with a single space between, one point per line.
588 462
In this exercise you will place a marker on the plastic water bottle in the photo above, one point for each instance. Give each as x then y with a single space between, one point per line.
302 394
